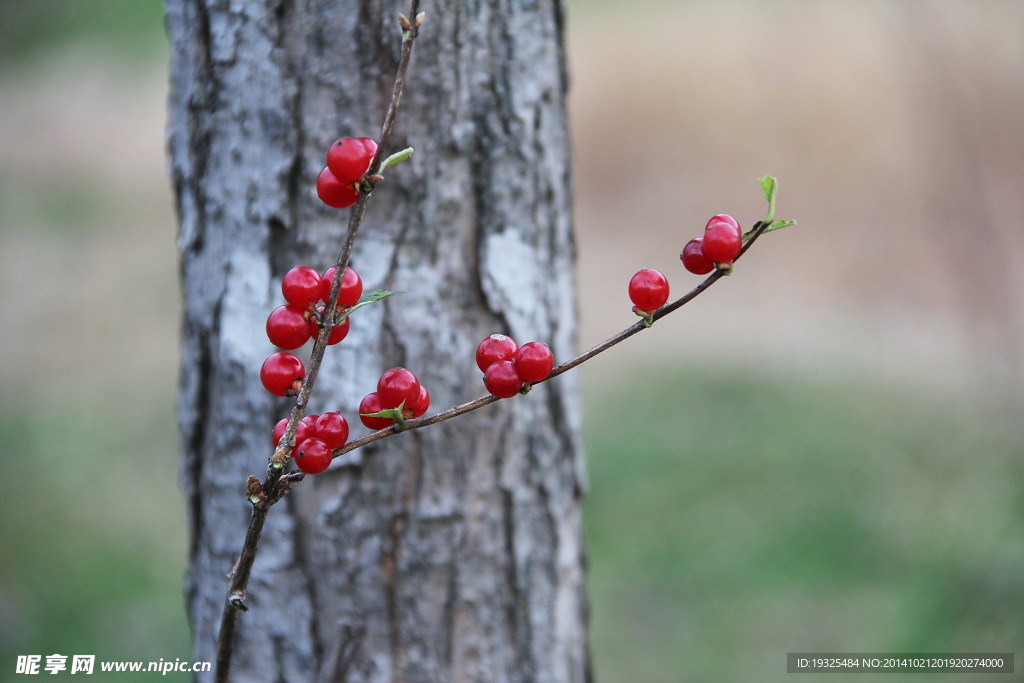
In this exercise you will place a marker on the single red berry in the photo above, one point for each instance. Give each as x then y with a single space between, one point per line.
351 287
419 406
723 239
287 327
494 348
335 193
332 429
282 374
534 361
310 422
312 456
397 386
301 286
727 219
648 290
693 257
302 431
349 158
501 379
371 404
338 332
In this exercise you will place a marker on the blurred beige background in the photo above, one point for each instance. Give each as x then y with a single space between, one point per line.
896 132
881 339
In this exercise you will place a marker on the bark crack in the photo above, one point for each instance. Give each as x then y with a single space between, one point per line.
511 570
304 563
197 434
390 562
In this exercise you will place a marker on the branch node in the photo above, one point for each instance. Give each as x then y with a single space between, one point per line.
237 600
254 490
278 459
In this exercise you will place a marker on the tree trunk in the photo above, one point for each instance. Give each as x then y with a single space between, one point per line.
451 553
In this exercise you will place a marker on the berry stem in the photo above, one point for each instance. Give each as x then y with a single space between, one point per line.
275 486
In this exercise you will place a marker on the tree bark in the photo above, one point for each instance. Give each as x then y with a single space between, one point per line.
452 553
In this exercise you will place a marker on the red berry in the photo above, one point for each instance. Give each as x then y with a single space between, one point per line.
312 456
397 386
338 332
310 422
332 429
335 193
301 286
648 290
533 362
419 406
349 158
302 432
727 219
723 239
693 257
287 327
282 374
371 404
501 379
351 287
494 348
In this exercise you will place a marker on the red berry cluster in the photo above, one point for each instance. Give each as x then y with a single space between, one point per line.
721 243
291 325
315 438
348 159
397 388
508 367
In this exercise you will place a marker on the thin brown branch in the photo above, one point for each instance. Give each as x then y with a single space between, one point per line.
274 487
475 404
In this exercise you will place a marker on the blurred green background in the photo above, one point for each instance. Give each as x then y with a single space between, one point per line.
822 454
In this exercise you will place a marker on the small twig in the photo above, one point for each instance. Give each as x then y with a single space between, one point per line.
475 404
273 487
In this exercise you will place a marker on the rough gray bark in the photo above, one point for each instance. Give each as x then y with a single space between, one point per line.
450 553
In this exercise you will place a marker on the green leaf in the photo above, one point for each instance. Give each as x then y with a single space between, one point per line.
389 413
375 295
393 414
396 158
365 300
779 225
770 187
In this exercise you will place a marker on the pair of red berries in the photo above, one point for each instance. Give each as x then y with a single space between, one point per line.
290 326
397 388
721 244
316 437
348 159
508 367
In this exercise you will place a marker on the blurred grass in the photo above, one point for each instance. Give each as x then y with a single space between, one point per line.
31 29
94 539
736 516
